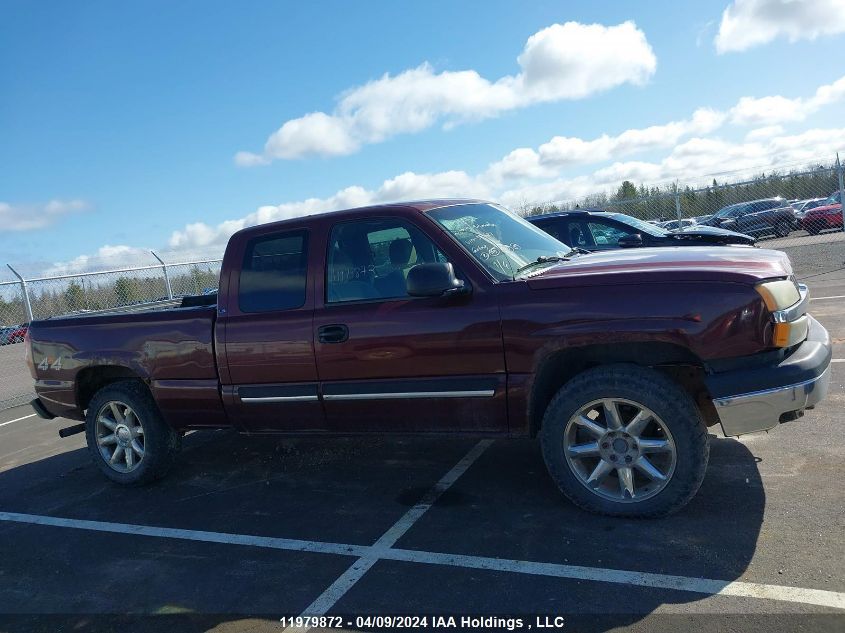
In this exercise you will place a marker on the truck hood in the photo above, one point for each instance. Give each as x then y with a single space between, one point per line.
655 265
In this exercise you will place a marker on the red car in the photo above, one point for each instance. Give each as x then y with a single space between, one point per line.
13 334
826 216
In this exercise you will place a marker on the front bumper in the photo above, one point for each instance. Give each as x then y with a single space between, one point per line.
757 400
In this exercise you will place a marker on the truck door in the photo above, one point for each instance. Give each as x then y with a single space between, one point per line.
390 362
267 322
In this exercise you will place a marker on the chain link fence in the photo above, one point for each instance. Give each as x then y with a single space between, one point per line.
68 292
784 208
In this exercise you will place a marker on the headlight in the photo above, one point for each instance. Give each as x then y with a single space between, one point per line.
790 326
779 295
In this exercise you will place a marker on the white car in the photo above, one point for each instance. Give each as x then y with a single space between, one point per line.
673 225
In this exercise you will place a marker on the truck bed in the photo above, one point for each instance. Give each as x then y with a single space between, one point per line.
163 344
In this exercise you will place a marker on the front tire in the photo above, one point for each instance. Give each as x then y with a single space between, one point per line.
128 439
625 441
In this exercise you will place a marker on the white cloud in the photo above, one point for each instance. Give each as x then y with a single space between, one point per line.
761 133
534 175
562 61
561 151
748 23
777 109
406 186
695 162
106 257
29 217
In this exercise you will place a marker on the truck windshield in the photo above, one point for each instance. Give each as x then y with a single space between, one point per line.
640 225
501 241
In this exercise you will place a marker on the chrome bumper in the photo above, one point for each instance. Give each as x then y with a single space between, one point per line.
762 410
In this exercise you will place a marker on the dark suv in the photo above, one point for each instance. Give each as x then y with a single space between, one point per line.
596 230
770 216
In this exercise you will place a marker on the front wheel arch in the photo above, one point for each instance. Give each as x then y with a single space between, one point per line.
677 419
558 368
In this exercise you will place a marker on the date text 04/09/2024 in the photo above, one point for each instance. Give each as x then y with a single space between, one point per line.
424 622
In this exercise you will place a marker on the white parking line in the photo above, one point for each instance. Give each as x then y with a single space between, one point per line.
268 542
823 298
347 580
706 586
838 360
31 415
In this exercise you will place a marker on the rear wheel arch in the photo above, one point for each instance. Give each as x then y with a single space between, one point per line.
127 437
558 368
92 379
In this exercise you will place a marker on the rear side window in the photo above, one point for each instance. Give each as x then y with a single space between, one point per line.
274 273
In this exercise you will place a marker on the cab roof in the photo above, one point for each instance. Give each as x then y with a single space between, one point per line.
565 214
377 209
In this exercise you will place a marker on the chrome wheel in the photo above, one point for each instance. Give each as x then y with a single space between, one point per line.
620 450
120 437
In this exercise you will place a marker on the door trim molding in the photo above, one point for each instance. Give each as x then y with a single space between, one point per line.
399 395
281 399
258 394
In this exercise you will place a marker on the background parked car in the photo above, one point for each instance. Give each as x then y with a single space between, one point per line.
802 206
828 215
770 216
599 231
672 225
12 334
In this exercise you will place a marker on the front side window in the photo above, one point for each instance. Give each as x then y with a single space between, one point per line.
733 211
833 199
370 259
763 205
607 235
274 272
499 240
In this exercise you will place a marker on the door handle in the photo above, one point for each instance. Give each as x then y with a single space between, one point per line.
337 333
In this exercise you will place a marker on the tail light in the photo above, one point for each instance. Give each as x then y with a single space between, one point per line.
27 353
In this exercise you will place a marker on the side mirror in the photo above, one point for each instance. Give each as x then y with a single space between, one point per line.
433 280
630 241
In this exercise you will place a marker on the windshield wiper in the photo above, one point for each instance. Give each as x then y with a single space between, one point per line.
550 259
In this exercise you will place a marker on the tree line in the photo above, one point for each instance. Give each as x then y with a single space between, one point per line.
99 292
658 203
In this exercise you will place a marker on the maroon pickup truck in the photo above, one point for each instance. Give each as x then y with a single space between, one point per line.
453 317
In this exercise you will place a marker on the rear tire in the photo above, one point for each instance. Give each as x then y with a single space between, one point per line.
782 229
656 431
128 439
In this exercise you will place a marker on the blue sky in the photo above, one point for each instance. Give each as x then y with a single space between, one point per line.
120 122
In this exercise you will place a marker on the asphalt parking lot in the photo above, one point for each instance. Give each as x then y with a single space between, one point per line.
246 530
